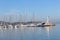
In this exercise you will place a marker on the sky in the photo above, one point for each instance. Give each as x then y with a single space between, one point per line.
27 8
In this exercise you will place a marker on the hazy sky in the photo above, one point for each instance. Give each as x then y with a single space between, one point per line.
26 8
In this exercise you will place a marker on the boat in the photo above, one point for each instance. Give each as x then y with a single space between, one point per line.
31 25
48 23
45 24
39 25
10 26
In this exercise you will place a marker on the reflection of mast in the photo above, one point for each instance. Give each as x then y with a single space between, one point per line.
47 29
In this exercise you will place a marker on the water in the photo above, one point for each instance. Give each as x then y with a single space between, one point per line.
31 33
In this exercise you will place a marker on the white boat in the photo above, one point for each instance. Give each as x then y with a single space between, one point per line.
47 23
22 25
5 27
16 27
31 25
10 26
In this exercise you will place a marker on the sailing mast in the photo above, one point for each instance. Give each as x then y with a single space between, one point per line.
33 17
47 20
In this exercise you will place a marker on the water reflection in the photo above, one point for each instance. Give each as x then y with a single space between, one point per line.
25 33
47 29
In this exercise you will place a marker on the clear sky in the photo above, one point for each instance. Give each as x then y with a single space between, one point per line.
26 8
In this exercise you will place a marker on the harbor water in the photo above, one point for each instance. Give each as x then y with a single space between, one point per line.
31 33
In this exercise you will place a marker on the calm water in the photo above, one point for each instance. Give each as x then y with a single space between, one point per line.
31 33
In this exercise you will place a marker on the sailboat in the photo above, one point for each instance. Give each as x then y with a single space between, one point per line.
47 23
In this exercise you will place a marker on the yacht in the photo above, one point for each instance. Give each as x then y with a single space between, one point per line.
47 23
32 25
10 26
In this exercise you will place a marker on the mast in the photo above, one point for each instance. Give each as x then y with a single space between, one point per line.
47 20
33 17
4 22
